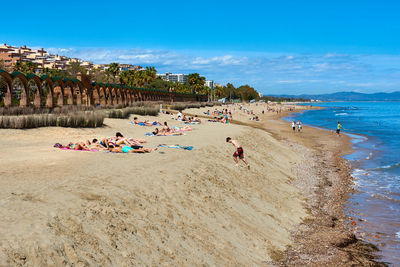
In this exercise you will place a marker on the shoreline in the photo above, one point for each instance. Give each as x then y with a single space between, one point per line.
342 241
328 238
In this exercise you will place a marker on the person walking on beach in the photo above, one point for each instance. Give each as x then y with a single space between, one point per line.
238 152
299 126
294 126
339 126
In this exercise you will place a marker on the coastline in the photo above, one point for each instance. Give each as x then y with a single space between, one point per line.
178 207
327 237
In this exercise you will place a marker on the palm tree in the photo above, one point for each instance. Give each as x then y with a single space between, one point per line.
140 78
113 70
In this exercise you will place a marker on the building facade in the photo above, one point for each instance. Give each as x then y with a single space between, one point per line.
170 77
11 55
209 84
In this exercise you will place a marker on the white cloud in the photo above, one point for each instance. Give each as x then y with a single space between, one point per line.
266 72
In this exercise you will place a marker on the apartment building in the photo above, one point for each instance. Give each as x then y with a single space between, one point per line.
181 78
11 55
209 84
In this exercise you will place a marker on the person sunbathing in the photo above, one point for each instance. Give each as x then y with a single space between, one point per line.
156 132
77 146
121 140
144 123
131 149
97 145
165 128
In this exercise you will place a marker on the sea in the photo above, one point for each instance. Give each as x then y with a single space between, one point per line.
375 131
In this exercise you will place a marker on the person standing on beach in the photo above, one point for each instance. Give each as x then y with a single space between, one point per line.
238 152
294 126
339 126
299 126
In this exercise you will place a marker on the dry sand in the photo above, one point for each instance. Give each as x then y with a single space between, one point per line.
174 207
170 207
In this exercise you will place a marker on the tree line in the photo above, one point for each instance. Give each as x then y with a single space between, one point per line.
147 78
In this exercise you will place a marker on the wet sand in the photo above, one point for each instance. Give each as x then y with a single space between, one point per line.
175 207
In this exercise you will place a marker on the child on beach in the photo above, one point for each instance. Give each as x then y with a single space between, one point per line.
238 152
294 126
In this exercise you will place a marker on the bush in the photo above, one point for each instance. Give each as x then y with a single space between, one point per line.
15 111
82 119
182 106
139 110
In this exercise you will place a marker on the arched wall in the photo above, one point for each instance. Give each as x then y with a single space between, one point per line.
38 91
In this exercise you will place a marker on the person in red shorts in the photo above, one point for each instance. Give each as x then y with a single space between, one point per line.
238 153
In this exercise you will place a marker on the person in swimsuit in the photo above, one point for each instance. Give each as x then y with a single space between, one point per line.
238 152
97 145
131 149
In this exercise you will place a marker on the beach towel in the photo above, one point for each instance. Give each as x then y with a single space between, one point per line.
143 124
176 146
196 122
151 134
179 129
58 145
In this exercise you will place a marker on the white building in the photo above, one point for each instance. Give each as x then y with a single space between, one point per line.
209 84
170 77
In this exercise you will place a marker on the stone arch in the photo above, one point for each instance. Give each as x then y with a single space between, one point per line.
114 95
85 97
34 84
102 95
58 91
5 91
96 96
33 93
108 96
46 92
19 90
68 96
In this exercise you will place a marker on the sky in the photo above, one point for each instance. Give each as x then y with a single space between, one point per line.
278 47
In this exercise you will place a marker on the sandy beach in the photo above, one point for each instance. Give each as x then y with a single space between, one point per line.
176 207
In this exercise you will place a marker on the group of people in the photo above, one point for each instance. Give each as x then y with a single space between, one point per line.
298 124
166 130
116 144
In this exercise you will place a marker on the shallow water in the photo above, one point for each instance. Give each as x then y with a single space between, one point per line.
375 131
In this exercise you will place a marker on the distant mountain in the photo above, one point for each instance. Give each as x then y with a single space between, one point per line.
350 96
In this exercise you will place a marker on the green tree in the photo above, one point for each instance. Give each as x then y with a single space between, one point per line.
247 93
113 70
159 83
196 82
150 74
24 67
128 77
74 68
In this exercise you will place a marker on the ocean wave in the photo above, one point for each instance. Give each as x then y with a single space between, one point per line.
386 167
342 114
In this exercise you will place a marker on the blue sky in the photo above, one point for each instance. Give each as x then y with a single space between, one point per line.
276 46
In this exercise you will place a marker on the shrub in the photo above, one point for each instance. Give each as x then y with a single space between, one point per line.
139 110
80 119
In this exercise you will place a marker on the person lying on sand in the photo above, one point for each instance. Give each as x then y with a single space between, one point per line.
238 152
165 128
97 145
195 119
77 146
156 132
131 149
144 123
